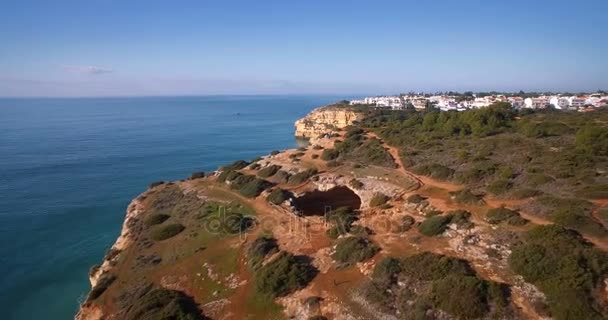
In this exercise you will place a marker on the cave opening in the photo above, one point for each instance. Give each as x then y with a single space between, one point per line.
316 203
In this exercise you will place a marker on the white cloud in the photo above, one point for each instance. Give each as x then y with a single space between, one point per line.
90 70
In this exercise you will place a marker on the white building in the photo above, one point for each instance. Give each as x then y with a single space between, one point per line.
559 102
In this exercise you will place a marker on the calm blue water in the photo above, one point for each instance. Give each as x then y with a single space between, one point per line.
69 168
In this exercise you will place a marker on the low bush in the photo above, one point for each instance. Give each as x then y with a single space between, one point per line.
386 271
278 196
415 198
237 165
260 248
254 166
525 193
407 223
232 223
161 303
161 233
155 184
105 280
434 225
274 152
333 163
577 220
269 171
315 156
317 147
564 266
282 176
197 175
434 170
302 176
356 184
502 214
329 154
354 249
342 218
463 296
593 191
155 219
241 180
499 187
465 196
378 199
254 187
429 266
283 275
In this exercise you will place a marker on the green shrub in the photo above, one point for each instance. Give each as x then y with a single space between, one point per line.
315 156
155 184
576 220
333 163
465 196
241 180
386 271
407 223
461 218
594 191
356 184
105 280
233 223
499 187
317 147
161 233
329 154
434 170
161 303
354 249
525 193
342 218
502 214
462 296
254 166
274 152
254 187
155 219
282 176
378 199
429 266
416 198
260 248
562 265
237 165
278 196
371 152
228 175
269 171
434 225
302 176
283 275
197 175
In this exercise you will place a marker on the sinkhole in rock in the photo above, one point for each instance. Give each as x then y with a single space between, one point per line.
315 203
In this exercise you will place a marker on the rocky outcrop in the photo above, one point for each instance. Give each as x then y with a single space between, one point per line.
324 120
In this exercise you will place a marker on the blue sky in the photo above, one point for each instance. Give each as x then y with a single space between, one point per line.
117 48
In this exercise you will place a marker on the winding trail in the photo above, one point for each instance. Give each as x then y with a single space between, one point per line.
490 202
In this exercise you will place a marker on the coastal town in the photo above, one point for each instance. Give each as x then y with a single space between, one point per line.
468 100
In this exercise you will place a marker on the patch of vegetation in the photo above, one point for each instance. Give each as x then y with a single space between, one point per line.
282 176
302 176
329 154
197 175
283 275
434 170
564 267
333 163
161 233
156 218
351 250
317 147
105 280
260 248
435 225
356 184
525 193
237 165
407 223
465 196
254 187
502 214
342 218
269 171
372 152
156 184
278 196
378 199
415 198
441 282
499 187
160 303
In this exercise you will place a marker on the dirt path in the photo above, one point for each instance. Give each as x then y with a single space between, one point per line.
422 180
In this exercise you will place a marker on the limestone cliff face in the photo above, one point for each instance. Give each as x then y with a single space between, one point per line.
324 120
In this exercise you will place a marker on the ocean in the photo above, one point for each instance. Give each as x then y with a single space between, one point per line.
70 167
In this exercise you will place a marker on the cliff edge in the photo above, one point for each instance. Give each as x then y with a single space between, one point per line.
326 119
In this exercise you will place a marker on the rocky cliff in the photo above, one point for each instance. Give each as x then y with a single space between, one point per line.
326 119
